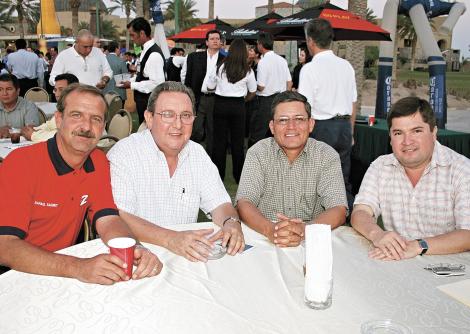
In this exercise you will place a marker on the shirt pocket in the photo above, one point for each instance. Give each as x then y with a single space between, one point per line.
189 207
436 212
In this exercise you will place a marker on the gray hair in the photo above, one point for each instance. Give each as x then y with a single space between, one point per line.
79 88
320 31
84 34
290 96
170 86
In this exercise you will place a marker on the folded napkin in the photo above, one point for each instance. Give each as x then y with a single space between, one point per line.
458 290
318 261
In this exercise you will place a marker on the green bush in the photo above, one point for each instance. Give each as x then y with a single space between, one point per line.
369 74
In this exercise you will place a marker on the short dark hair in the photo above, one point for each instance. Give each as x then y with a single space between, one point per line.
113 46
266 40
170 86
175 50
55 49
320 31
290 96
80 88
409 106
20 43
7 77
69 77
213 31
140 24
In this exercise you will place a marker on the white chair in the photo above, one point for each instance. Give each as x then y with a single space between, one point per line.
119 127
114 105
37 94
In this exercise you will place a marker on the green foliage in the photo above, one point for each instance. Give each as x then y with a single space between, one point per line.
11 11
109 30
369 74
371 55
187 18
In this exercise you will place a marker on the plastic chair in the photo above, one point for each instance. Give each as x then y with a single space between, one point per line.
119 127
37 94
114 105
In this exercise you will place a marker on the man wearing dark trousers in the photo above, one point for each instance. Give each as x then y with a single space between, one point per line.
329 84
150 66
193 73
26 67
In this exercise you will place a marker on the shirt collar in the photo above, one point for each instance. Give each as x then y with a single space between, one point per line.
147 45
280 151
61 167
19 101
325 53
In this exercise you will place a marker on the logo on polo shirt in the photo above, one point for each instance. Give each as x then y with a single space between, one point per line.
84 198
50 205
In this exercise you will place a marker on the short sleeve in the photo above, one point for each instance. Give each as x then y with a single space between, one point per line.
15 195
369 191
252 179
251 82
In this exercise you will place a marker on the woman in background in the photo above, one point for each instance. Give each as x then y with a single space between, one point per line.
304 58
234 82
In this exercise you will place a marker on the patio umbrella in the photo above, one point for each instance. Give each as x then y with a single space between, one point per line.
251 30
198 33
346 25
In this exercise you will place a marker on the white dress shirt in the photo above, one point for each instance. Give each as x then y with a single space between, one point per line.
211 65
219 82
153 70
273 74
88 70
143 187
329 84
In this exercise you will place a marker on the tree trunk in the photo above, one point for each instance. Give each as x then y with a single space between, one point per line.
413 54
270 6
211 9
355 50
395 61
19 10
146 8
128 19
139 8
74 6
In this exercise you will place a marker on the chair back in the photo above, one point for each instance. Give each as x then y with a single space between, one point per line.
37 94
142 127
114 105
121 124
42 116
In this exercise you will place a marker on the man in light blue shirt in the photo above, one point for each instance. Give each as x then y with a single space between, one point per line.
26 67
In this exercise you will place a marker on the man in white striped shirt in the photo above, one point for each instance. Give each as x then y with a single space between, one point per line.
422 190
160 178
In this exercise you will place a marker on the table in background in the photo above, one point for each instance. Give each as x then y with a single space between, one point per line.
49 108
374 141
6 147
259 292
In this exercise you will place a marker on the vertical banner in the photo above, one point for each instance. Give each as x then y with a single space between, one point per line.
437 89
383 101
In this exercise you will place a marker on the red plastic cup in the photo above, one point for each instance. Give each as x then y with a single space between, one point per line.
123 248
371 120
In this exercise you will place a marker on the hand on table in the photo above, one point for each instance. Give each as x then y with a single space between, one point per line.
411 250
103 269
27 132
4 132
390 244
232 237
193 245
287 232
147 263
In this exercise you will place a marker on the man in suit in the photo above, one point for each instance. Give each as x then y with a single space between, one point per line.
197 65
119 67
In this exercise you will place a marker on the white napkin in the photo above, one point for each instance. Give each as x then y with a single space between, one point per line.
319 262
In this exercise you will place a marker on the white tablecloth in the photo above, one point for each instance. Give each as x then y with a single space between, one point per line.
260 291
6 147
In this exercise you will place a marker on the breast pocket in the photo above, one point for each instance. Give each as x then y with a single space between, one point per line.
189 208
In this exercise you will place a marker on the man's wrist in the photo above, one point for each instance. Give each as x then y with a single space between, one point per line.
231 218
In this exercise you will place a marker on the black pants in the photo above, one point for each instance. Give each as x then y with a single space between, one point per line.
338 134
26 84
229 117
141 101
203 127
260 119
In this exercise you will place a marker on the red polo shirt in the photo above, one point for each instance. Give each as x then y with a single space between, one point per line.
44 201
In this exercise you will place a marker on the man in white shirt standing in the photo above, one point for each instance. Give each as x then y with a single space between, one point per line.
160 178
84 61
329 84
150 66
273 77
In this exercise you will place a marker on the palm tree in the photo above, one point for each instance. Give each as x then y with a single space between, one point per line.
27 12
109 30
74 6
309 3
270 6
128 6
355 50
370 16
187 14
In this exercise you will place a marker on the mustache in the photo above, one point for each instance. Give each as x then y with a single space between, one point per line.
86 134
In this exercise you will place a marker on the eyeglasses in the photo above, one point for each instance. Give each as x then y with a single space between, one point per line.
170 116
298 120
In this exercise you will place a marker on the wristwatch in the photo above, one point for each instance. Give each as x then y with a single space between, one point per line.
424 246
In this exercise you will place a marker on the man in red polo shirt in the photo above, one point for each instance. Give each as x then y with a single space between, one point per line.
47 189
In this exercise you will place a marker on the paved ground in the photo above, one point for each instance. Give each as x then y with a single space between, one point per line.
457 119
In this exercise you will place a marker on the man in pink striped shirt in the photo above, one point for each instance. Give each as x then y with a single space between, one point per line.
422 190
